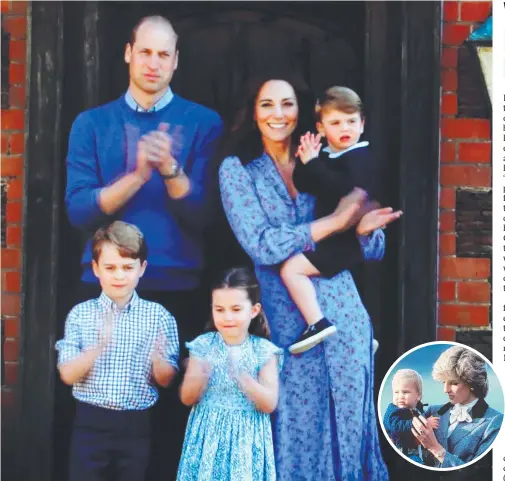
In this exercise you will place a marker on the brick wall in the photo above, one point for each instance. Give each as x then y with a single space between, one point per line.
465 180
14 50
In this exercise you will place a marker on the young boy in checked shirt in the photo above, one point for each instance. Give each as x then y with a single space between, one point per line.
116 350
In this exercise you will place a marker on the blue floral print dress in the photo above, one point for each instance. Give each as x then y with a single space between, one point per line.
325 425
227 438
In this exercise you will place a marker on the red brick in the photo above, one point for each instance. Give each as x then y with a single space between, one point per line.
17 74
12 281
447 221
16 26
5 6
465 175
17 51
478 152
450 12
447 198
449 104
474 292
19 7
15 189
11 373
13 236
475 11
463 315
12 166
455 34
446 291
465 128
11 327
447 152
14 212
10 304
11 258
464 268
449 58
5 142
449 80
13 119
17 96
446 334
17 143
11 350
447 244
8 397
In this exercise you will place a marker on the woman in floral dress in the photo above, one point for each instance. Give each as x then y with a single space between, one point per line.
325 425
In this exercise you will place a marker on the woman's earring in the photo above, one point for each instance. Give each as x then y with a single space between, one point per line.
471 389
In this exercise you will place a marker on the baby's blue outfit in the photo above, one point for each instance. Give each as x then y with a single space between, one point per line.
227 438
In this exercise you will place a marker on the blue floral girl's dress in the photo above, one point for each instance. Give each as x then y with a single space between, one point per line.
227 438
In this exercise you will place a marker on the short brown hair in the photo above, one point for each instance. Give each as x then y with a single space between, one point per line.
339 98
126 237
157 19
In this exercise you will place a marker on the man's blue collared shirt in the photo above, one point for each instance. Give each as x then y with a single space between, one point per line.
121 377
162 102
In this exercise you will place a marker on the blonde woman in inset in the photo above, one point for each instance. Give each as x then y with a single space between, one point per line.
468 426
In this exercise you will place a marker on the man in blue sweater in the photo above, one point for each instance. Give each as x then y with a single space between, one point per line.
145 158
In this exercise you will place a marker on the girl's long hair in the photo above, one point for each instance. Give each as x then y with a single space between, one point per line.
243 278
243 138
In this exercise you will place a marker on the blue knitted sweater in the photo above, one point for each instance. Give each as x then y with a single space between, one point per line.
103 147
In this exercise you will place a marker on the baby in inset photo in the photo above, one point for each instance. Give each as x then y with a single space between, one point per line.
398 419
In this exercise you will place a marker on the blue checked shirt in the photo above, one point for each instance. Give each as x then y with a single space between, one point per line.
121 377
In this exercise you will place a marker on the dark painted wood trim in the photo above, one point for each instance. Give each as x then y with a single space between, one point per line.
40 265
419 173
403 107
382 64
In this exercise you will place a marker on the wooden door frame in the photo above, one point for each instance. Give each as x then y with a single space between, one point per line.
413 27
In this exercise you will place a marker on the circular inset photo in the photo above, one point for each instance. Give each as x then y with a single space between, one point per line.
441 406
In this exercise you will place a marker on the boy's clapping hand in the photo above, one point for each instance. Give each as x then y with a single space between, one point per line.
309 147
163 371
159 347
105 334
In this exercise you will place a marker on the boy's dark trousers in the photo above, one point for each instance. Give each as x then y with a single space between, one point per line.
109 445
169 415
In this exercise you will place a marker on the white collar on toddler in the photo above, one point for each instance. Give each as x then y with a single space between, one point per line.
334 155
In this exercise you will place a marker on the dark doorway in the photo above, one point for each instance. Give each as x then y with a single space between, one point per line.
372 47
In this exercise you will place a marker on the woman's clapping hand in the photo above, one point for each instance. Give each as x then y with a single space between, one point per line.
348 209
377 219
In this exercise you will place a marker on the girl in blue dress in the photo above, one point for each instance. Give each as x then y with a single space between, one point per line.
232 383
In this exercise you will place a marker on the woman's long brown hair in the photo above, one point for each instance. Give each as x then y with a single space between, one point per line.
243 138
